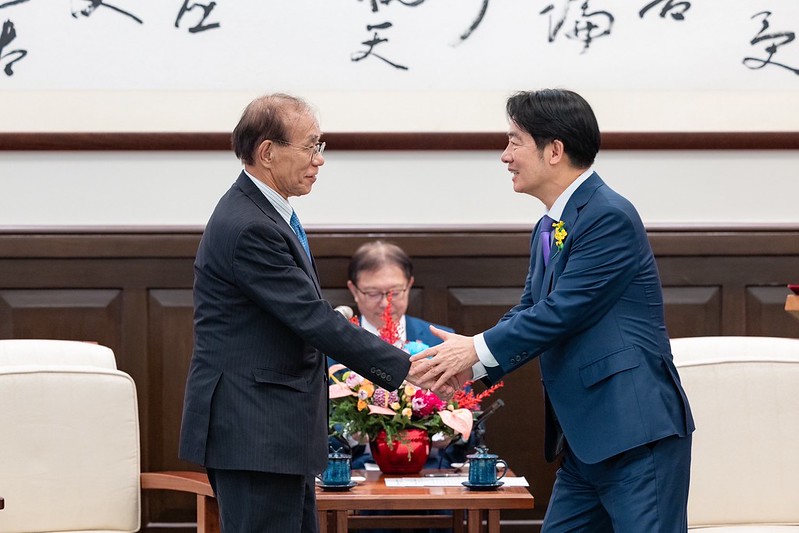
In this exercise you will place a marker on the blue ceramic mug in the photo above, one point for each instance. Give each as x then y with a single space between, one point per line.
483 467
338 469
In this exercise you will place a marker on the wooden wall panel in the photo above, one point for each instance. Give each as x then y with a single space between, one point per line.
765 312
131 290
692 311
84 315
170 335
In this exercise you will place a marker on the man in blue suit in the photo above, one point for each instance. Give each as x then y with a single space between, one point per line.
592 313
255 410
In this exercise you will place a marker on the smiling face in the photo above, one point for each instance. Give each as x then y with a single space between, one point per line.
290 168
525 161
537 171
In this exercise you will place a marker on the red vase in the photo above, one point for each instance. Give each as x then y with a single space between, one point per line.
394 457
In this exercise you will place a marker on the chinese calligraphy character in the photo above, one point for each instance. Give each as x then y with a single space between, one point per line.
93 5
776 40
11 3
465 35
374 41
671 5
207 8
411 3
7 35
585 29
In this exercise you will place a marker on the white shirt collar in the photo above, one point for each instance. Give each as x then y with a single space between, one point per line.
368 326
278 202
560 204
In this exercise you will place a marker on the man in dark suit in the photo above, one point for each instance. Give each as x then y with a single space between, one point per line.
592 313
255 411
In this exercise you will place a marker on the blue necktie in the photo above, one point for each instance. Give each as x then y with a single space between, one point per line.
297 227
546 237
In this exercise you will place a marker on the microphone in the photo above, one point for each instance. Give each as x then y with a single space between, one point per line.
345 310
488 412
479 423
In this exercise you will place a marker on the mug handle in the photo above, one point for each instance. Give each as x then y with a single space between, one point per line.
504 468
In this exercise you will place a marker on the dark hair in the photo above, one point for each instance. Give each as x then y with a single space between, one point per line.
376 254
551 114
265 118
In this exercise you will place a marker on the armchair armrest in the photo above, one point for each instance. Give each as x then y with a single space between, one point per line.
193 482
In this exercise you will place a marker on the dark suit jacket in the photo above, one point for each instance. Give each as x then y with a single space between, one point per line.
256 395
594 317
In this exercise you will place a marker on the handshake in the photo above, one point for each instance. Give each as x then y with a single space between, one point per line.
444 368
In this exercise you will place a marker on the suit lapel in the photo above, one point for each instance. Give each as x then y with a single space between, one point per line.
569 218
307 263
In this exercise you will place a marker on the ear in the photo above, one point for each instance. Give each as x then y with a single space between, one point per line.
351 287
264 153
558 152
410 283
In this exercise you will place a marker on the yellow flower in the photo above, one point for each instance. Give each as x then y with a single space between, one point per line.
362 405
407 412
368 388
560 234
410 390
395 406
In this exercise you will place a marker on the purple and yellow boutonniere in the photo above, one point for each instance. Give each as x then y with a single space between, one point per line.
560 234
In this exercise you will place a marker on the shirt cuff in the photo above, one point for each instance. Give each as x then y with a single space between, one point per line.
484 354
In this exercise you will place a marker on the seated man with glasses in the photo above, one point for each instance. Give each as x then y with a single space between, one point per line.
378 269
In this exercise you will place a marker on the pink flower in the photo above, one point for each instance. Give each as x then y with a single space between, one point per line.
380 397
426 403
353 380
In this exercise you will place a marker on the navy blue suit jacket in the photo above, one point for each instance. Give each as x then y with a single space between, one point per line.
417 329
594 318
256 394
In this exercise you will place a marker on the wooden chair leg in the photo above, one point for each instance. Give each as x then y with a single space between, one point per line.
207 515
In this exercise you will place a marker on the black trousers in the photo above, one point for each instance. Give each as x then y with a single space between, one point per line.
263 502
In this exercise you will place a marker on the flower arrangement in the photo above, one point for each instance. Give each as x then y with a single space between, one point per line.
560 234
360 410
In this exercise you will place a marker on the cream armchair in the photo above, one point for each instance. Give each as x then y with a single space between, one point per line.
744 392
69 443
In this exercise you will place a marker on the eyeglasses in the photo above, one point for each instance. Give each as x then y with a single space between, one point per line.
315 149
376 296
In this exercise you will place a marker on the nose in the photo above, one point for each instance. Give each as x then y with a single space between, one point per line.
318 160
506 156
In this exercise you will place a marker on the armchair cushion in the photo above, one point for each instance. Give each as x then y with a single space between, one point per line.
69 454
745 463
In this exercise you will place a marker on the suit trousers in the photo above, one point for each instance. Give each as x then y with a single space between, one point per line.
644 489
264 502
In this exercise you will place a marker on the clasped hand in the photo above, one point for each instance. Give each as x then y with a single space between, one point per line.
446 367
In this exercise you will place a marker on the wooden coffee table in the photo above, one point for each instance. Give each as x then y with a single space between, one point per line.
339 511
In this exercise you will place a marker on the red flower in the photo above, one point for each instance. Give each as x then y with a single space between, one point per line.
390 330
